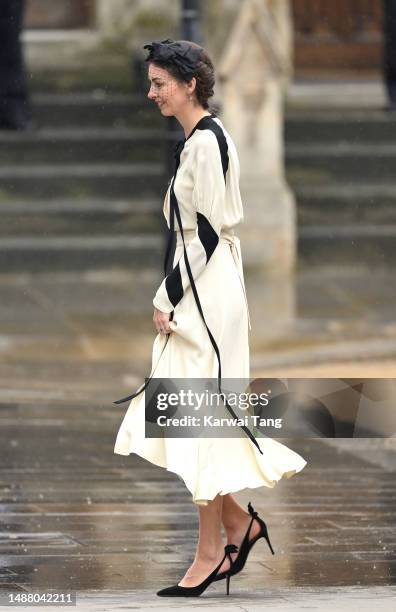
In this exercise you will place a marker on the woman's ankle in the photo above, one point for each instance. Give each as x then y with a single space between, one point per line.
206 554
233 522
207 558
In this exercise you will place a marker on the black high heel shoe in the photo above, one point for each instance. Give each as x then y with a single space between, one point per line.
246 546
195 591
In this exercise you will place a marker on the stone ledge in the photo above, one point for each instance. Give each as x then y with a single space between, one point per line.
336 93
58 50
34 36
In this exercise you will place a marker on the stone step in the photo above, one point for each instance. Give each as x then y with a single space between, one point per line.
329 163
66 253
102 73
82 180
62 217
91 234
361 203
340 244
365 207
94 110
339 126
84 145
351 93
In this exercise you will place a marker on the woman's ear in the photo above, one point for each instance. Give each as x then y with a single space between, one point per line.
192 85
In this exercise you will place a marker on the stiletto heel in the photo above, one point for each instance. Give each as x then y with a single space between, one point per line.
247 545
180 591
268 541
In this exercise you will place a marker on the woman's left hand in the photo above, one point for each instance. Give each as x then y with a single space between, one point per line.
161 321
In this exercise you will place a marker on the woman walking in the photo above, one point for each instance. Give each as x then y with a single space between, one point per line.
202 319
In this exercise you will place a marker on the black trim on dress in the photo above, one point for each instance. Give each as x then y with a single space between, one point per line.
208 239
207 235
174 286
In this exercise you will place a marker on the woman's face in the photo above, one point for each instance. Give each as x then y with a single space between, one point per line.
170 95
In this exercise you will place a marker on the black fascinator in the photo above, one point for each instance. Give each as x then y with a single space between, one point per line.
183 55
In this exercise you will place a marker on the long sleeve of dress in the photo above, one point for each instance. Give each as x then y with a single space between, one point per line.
208 200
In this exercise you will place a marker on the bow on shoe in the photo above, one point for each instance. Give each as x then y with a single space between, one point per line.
252 511
230 548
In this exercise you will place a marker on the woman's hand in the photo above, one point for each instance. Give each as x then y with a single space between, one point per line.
161 321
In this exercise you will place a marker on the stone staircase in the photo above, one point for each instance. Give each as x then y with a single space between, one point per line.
83 190
341 164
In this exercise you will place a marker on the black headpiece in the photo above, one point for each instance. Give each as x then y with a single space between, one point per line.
183 55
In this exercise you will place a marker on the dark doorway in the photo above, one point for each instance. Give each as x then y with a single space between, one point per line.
338 35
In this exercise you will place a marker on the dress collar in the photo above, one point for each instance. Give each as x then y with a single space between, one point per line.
180 143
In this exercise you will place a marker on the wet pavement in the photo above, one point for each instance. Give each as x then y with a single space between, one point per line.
74 516
83 336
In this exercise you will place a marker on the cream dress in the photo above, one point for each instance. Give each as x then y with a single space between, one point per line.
207 466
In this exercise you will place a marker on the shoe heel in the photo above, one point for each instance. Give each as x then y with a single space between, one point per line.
268 541
228 584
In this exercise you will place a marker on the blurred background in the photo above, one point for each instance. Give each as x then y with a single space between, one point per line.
85 165
306 89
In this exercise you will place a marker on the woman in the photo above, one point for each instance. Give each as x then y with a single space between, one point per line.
201 316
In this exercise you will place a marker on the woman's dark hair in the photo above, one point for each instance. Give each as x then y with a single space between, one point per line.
204 74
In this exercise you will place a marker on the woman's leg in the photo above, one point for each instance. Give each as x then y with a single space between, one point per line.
236 521
210 548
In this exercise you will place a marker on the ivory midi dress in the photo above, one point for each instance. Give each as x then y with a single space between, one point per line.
206 186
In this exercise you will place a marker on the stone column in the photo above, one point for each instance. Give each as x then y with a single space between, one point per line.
253 71
134 21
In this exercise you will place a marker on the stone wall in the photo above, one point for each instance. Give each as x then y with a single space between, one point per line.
58 14
136 21
113 28
104 35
